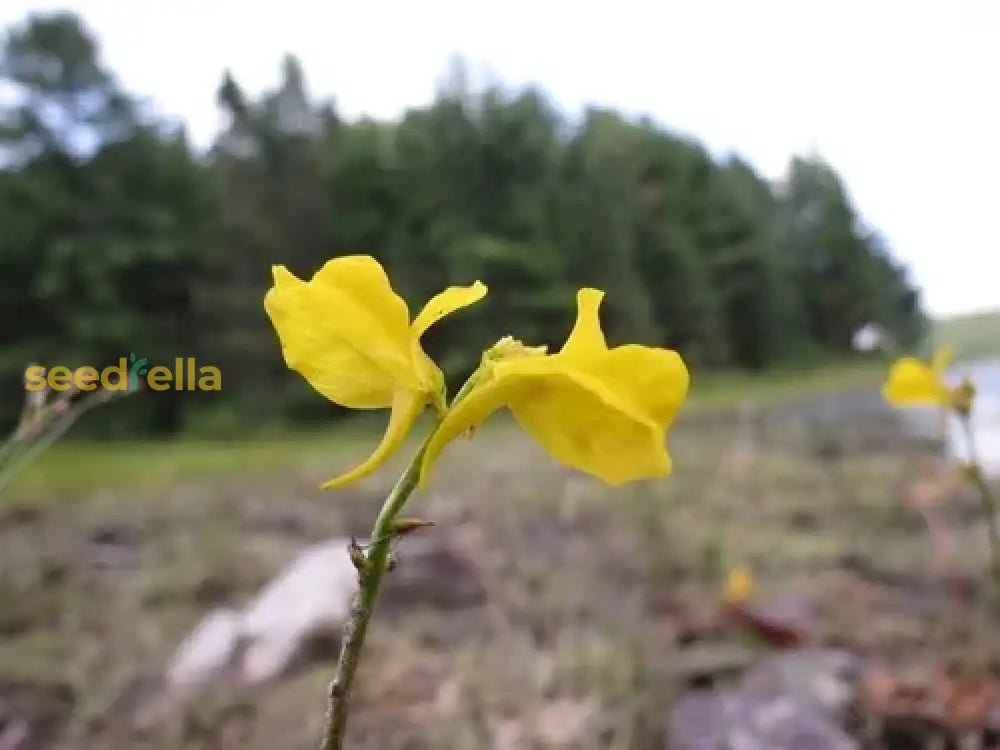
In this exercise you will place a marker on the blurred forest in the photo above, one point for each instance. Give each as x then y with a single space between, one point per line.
119 237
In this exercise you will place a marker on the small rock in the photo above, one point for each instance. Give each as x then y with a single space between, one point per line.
310 598
306 604
207 651
783 722
312 595
796 700
827 678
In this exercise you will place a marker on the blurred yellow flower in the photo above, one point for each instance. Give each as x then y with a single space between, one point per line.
739 586
912 382
602 411
350 336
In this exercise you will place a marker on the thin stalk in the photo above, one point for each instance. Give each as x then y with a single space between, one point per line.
28 411
9 446
28 449
363 607
31 449
356 627
985 497
15 440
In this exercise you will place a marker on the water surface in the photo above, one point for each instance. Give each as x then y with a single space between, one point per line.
985 415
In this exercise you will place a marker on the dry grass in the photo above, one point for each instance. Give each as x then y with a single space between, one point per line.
583 586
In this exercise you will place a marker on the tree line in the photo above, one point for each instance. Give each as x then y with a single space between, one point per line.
119 238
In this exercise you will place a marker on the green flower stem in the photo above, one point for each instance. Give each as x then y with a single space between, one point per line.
985 497
370 583
363 607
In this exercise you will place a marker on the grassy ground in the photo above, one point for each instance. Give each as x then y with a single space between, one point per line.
718 390
974 336
581 589
72 466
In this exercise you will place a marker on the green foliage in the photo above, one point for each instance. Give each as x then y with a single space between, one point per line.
118 238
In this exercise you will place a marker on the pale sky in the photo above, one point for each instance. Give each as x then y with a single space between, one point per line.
901 97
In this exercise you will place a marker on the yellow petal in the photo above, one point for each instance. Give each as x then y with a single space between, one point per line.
585 426
285 279
430 377
739 585
345 332
406 409
444 303
942 358
362 278
464 416
912 383
586 338
604 412
573 416
655 381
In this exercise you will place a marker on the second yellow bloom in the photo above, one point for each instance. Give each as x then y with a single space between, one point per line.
602 411
912 382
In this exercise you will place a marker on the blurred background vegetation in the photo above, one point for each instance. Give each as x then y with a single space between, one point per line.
542 596
119 237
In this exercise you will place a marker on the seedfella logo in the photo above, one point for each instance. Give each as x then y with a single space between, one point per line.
128 375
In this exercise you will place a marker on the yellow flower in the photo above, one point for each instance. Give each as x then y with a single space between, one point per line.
599 410
349 335
739 586
912 382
